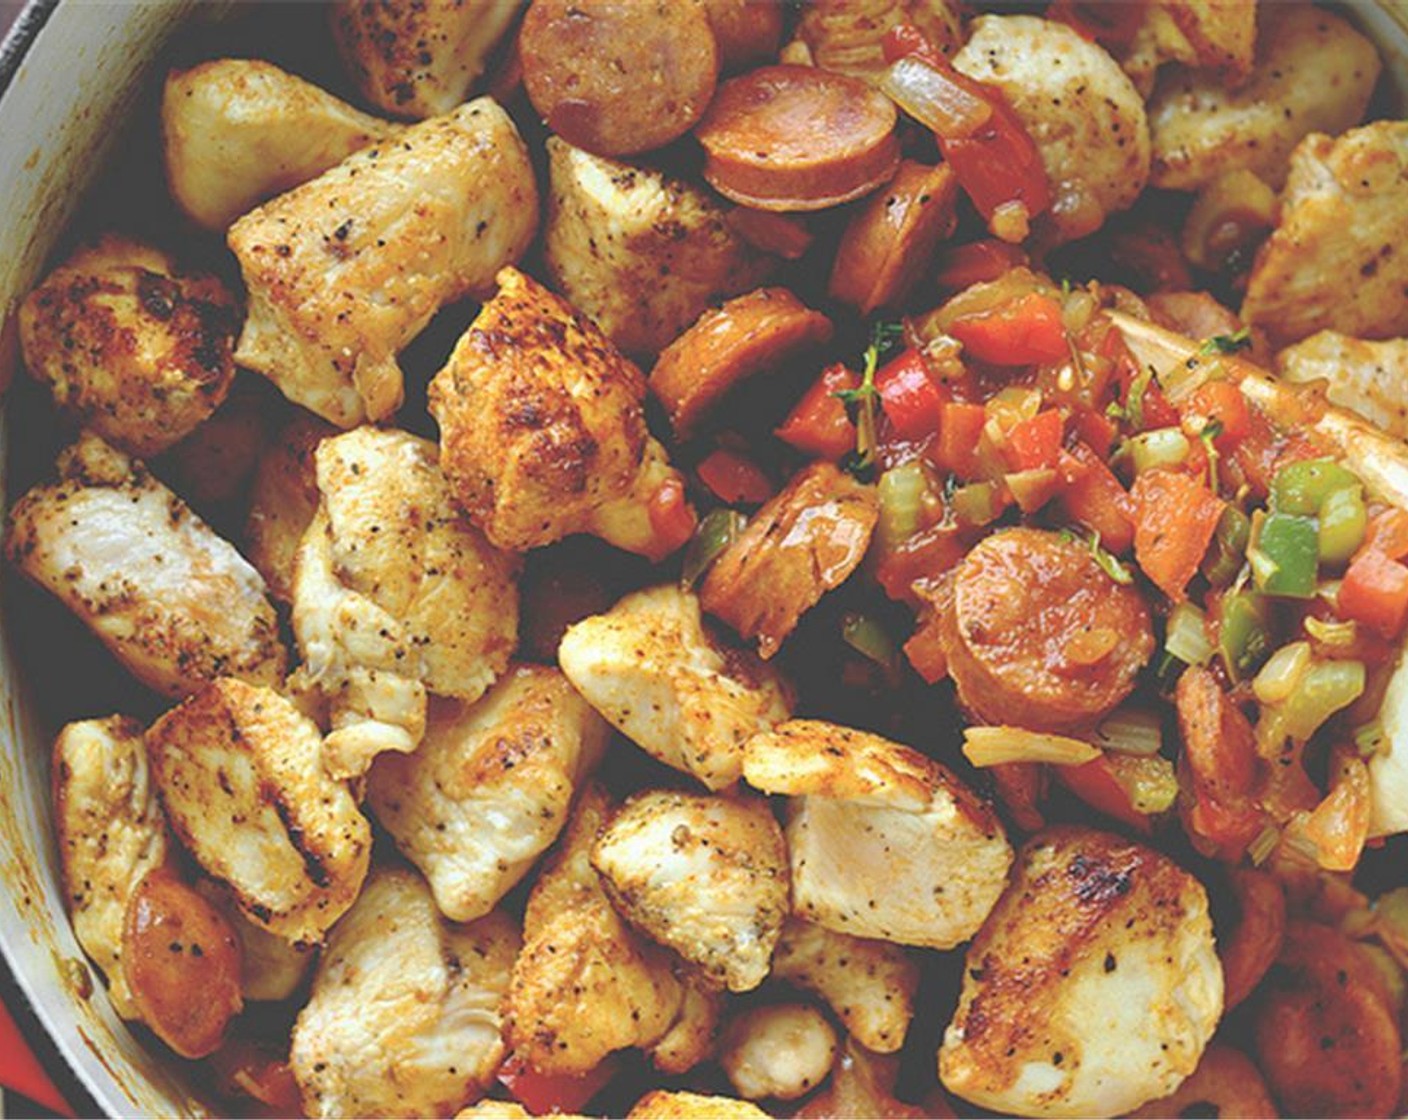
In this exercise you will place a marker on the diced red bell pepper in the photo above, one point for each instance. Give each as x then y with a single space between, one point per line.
672 518
960 428
1026 331
734 478
1223 402
977 262
1096 430
1095 783
544 1093
818 425
1021 787
1388 533
912 402
1095 498
1036 442
1374 591
1175 518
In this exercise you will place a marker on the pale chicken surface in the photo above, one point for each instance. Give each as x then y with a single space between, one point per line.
344 270
395 595
870 985
237 131
1215 35
240 774
586 984
271 968
283 499
664 1105
417 58
779 1050
703 874
660 677
403 1019
174 602
1093 988
111 833
1336 260
542 426
489 788
639 253
132 345
693 1036
884 842
1370 378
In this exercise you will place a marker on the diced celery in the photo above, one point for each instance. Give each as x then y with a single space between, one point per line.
1343 519
978 503
1243 637
1131 731
1163 447
1301 488
901 491
1285 556
869 637
1186 636
1228 551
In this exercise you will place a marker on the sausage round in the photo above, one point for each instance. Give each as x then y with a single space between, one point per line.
1039 636
617 77
798 138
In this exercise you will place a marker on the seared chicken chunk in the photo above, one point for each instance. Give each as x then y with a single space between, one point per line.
1370 378
395 594
885 842
542 429
1094 986
237 131
111 833
283 500
640 254
663 1105
703 874
212 467
653 670
1336 258
870 985
693 1035
489 788
781 1050
271 968
585 984
132 346
1313 73
175 603
240 773
346 269
403 1019
1079 107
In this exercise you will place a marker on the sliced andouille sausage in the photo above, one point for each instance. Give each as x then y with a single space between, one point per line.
892 237
1226 1084
729 344
616 77
1039 636
1249 949
799 546
798 138
748 32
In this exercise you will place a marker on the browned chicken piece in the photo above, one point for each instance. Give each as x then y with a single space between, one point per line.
870 985
863 1084
801 544
658 674
848 36
640 254
240 773
693 1037
542 427
237 131
133 346
585 983
884 841
1209 35
111 832
488 789
395 595
403 1019
1370 378
1335 260
664 1105
703 874
1226 1082
1094 986
417 58
214 465
271 968
345 270
283 500
176 604
779 1050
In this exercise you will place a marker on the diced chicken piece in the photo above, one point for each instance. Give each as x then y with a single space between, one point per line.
1094 986
133 346
870 985
1313 73
803 543
417 58
283 500
780 1050
640 254
490 1109
863 1084
1388 769
542 426
176 604
237 131
1080 108
1370 378
585 983
489 788
848 36
403 1019
212 467
110 834
1211 35
885 842
240 773
664 1105
395 594
271 968
693 1035
345 270
702 874
1336 260
663 680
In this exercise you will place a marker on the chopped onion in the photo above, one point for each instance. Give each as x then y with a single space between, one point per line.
993 746
1264 844
901 491
928 96
1163 447
1148 780
1186 636
1325 688
1135 731
1280 675
1329 633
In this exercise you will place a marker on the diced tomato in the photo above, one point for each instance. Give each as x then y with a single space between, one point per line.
976 262
1388 533
1175 518
672 518
256 1077
1223 402
1375 592
1257 453
1096 430
926 653
544 1093
1036 442
912 402
1094 782
1095 498
734 478
1339 825
1026 331
819 425
960 428
1223 829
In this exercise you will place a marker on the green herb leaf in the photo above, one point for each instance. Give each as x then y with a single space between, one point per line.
861 402
1109 563
1227 343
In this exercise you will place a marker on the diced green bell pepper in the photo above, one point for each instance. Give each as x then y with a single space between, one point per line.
1285 556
